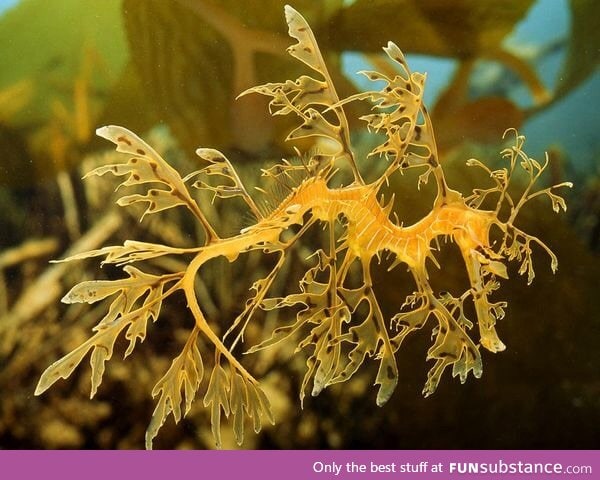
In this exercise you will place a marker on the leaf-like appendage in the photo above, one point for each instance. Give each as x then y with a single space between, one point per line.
309 98
158 200
315 125
236 394
101 344
258 406
186 372
327 351
401 116
131 251
408 322
325 311
313 297
306 50
239 402
63 368
489 266
365 338
125 312
253 303
217 397
280 334
516 244
452 346
129 290
219 165
371 339
147 166
246 398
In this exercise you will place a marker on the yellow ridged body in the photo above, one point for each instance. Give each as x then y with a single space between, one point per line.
369 228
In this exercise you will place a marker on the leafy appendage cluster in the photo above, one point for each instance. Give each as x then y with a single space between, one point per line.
139 297
338 319
310 99
401 116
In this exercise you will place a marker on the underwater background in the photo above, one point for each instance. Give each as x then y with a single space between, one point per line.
170 70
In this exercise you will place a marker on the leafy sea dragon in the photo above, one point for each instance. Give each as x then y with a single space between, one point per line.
338 335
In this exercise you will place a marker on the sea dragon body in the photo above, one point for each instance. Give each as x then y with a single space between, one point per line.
338 317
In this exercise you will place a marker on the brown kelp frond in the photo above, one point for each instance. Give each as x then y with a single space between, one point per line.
337 317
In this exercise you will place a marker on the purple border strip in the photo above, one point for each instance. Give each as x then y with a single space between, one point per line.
300 464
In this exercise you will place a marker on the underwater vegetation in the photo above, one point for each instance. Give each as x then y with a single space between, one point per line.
334 313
